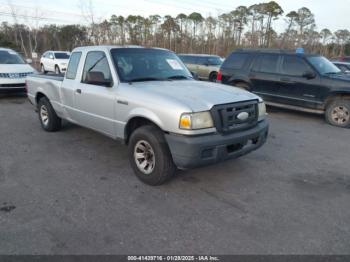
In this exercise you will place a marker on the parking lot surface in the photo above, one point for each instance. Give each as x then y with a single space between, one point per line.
73 192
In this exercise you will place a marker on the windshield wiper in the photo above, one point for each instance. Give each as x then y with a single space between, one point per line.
179 77
144 79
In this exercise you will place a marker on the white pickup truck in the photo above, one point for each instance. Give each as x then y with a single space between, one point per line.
148 99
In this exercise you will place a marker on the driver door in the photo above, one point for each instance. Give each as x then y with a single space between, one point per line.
94 101
295 87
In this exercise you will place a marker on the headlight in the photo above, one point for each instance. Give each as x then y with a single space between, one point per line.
262 110
193 121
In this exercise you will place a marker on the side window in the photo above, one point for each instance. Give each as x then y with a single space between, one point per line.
96 69
294 66
191 60
266 64
73 65
202 60
236 61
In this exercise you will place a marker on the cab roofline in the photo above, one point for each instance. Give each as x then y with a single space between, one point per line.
110 47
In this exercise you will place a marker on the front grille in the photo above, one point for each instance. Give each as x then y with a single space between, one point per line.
226 117
15 75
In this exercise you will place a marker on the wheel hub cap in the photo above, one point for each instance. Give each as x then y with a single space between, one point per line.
144 157
44 115
341 115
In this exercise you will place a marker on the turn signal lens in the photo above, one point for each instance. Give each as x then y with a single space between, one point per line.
185 121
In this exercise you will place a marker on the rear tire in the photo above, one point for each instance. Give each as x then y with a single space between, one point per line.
338 113
150 157
213 76
49 120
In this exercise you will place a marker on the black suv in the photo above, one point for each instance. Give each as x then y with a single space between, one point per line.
291 80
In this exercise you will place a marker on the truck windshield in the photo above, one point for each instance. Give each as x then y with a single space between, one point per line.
10 57
323 65
61 55
146 64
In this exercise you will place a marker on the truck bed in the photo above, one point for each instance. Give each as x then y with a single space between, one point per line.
49 76
47 85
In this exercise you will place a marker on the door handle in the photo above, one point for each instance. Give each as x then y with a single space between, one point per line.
78 91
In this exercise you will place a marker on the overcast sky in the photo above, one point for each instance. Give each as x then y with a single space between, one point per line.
331 14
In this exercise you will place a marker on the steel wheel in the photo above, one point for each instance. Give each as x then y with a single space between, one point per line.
57 70
44 115
340 115
144 157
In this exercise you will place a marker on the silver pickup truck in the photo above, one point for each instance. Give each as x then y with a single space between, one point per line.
146 98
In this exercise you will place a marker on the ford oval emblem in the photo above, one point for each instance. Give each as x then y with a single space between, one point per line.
243 116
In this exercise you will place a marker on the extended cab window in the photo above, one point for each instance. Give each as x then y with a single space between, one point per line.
73 66
236 61
294 66
266 64
96 69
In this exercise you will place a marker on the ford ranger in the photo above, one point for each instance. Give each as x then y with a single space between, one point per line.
147 98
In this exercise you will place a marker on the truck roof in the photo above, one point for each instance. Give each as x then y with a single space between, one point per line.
272 51
109 47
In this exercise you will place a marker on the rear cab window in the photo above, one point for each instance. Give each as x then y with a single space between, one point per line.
73 66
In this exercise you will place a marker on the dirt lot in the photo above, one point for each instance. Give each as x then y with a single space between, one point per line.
73 192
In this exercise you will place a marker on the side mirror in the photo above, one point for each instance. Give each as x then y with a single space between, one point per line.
51 57
97 78
195 75
29 61
309 75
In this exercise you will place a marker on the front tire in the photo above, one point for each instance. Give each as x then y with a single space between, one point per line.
150 157
338 113
57 70
49 120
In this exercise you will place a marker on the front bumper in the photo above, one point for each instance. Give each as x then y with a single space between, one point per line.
12 85
189 152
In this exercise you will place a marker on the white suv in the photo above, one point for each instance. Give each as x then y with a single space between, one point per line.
13 70
54 61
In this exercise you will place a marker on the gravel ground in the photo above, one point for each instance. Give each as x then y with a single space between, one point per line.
73 192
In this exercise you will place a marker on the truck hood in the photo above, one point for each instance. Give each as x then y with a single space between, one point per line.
197 95
22 68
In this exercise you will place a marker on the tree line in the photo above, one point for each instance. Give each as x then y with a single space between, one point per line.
246 26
